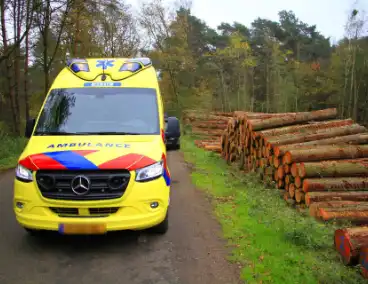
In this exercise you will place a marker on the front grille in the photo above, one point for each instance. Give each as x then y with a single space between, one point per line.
100 184
105 211
93 212
65 212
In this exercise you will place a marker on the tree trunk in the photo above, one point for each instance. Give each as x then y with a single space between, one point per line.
294 119
315 135
353 139
8 69
312 197
314 207
326 153
349 241
17 31
299 128
280 151
339 168
335 184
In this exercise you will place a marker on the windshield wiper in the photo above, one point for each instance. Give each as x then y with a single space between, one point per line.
107 133
54 133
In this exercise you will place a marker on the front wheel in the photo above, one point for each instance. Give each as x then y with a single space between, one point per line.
163 227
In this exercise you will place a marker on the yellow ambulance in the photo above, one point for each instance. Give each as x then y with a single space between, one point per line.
96 159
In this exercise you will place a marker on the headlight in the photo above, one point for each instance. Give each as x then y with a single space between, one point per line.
150 172
23 174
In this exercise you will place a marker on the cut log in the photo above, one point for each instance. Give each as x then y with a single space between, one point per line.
300 128
298 182
293 119
314 207
363 261
349 241
287 169
202 117
299 196
194 112
291 190
206 125
335 184
353 139
279 151
294 169
317 135
312 197
208 132
338 168
326 153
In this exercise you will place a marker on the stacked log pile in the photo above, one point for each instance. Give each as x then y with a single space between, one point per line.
315 159
312 156
210 126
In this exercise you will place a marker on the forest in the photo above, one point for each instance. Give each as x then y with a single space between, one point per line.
269 66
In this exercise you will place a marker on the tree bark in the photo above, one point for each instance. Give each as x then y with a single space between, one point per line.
326 153
312 197
314 207
316 135
335 184
293 119
338 168
299 128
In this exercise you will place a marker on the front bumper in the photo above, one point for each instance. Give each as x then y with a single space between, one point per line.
132 211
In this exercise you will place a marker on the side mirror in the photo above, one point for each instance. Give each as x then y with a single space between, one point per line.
166 117
30 124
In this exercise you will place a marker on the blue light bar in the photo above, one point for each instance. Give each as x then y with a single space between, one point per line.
130 66
102 84
144 60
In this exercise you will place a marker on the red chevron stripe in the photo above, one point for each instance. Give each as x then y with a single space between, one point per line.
165 164
163 135
130 162
41 162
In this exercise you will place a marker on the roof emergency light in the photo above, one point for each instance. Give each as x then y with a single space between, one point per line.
131 66
78 65
135 64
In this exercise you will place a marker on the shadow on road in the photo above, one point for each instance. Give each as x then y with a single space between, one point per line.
56 243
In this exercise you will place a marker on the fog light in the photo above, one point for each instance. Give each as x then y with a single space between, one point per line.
19 205
154 204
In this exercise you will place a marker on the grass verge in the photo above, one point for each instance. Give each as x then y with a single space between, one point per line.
273 242
10 149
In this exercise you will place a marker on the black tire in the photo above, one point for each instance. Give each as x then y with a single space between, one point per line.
161 228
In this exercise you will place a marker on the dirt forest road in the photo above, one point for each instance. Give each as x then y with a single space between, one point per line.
190 253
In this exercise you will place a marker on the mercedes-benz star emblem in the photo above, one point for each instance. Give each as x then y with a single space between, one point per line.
81 185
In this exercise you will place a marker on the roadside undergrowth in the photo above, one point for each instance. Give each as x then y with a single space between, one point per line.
272 241
10 149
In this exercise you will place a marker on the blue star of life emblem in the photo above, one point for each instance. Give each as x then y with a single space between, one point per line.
104 64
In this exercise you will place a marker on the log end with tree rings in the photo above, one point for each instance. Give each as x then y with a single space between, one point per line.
293 169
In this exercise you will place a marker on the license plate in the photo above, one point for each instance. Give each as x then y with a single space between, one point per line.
85 229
